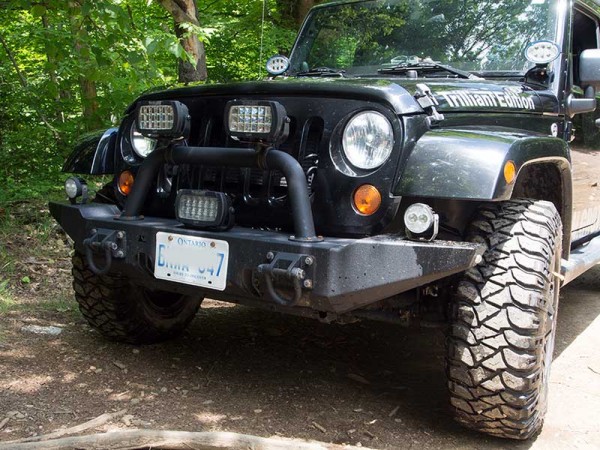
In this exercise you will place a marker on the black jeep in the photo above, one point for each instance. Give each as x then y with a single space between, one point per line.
412 161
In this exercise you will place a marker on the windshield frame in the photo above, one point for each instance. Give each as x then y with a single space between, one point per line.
561 36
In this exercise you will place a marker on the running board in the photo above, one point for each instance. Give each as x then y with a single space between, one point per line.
582 258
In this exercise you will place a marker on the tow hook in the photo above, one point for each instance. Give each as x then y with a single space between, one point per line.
289 267
110 242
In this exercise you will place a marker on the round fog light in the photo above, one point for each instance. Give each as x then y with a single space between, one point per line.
419 218
74 187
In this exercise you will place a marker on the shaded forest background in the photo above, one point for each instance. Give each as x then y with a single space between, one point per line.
72 66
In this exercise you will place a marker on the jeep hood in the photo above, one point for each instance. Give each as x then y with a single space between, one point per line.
477 96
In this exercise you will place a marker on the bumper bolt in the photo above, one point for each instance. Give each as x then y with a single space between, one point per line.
270 256
120 254
308 284
120 235
309 261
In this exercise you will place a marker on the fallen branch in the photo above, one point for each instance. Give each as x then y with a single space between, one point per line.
98 421
173 440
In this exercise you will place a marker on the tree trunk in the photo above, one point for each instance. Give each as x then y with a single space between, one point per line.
185 11
87 87
302 9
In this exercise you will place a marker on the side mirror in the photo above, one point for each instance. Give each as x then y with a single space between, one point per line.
589 70
589 79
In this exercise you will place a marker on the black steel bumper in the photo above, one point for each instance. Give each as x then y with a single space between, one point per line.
336 275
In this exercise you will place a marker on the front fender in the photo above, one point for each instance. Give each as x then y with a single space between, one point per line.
468 163
94 154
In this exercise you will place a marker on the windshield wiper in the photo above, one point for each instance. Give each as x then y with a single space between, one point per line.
428 67
322 72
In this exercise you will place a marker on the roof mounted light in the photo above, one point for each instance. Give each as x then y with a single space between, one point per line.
163 119
257 121
278 64
542 52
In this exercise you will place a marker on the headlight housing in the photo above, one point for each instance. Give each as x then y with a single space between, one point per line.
141 144
368 140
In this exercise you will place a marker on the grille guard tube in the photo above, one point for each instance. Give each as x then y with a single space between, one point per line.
269 159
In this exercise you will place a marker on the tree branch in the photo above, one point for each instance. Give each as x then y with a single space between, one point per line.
174 440
178 13
25 85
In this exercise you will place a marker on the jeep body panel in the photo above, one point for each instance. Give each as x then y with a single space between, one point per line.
94 154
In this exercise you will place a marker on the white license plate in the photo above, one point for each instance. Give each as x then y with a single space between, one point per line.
191 260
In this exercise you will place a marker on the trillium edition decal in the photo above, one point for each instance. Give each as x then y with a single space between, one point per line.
489 99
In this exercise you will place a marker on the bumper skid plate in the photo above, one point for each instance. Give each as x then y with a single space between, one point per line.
267 266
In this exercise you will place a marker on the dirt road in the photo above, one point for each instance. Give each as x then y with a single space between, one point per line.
247 371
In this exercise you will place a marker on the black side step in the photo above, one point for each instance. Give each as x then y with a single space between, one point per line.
582 258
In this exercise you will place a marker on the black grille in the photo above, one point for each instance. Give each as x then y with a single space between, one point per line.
252 187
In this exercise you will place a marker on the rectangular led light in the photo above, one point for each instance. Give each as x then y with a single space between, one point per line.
250 119
257 120
156 117
163 118
204 209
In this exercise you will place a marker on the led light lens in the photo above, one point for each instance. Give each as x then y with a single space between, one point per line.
72 187
204 209
156 117
250 119
278 64
368 140
542 52
141 144
198 208
419 218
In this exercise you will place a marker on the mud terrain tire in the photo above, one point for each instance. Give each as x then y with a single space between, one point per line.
503 320
123 311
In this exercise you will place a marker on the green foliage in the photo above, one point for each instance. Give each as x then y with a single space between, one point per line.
121 48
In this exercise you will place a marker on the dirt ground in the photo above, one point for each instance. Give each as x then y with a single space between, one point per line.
243 370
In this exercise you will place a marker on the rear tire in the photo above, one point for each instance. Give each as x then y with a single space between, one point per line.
124 311
503 320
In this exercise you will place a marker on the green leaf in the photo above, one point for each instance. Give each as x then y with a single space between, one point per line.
38 10
151 45
26 280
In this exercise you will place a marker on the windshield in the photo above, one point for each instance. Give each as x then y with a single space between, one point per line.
480 36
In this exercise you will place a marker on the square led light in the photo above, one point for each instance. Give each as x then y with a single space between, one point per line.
257 120
204 209
168 119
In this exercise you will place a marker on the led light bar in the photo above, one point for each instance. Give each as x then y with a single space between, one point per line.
167 119
204 209
257 120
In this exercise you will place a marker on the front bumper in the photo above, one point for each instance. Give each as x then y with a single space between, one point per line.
343 274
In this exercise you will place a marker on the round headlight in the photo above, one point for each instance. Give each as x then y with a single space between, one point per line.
368 140
141 144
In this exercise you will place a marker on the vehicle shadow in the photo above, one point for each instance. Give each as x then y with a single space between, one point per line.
249 371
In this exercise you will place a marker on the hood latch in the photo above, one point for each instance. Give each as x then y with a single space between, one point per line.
428 102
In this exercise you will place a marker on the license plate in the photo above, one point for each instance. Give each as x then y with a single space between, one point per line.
191 260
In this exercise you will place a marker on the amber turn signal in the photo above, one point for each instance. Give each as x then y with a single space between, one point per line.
367 200
510 172
125 183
